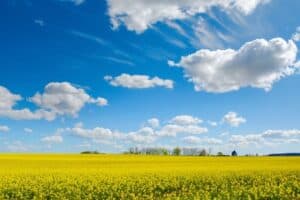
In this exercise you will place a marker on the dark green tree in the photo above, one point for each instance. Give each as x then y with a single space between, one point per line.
203 152
176 151
234 153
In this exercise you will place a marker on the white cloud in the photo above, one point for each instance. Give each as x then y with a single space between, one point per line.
268 137
233 119
26 114
53 139
153 122
172 130
139 15
281 133
57 99
138 81
8 99
259 64
296 36
182 124
145 135
63 98
28 130
102 135
97 133
187 133
185 120
7 102
99 101
243 140
196 140
4 128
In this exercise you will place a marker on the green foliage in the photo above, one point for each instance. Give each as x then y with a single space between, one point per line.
203 153
176 151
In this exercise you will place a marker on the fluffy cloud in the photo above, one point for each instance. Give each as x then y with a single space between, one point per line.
26 114
182 124
64 99
53 139
7 102
99 101
57 99
138 81
4 128
296 36
233 119
153 122
259 64
186 120
172 130
8 99
145 135
139 15
97 133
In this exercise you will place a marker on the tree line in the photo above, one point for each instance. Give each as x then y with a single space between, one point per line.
177 151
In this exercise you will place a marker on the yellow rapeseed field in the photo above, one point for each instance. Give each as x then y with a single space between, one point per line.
148 177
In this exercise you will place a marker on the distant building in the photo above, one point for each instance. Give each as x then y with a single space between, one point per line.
234 153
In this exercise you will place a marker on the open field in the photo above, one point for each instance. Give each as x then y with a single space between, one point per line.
148 177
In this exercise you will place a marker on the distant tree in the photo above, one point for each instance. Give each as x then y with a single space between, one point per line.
220 154
90 152
234 153
203 152
131 150
176 151
165 152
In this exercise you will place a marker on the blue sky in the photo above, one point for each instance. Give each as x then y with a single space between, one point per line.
108 75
